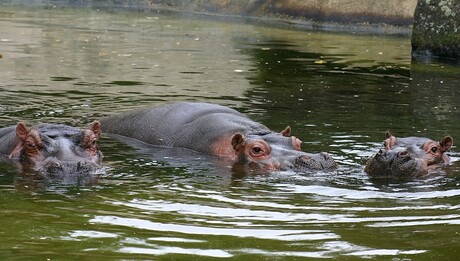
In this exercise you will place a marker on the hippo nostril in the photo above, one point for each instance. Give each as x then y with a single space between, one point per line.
52 163
404 153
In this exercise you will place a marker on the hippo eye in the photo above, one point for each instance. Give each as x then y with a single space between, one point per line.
256 150
434 149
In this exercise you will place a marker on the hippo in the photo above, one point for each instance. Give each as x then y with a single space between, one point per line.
409 156
216 130
396 163
52 148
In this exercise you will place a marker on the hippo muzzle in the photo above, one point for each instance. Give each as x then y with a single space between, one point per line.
396 163
297 162
55 167
309 162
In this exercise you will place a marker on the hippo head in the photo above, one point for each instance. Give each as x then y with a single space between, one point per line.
278 151
56 148
408 157
433 152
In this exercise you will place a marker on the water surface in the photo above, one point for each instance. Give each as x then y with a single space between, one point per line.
338 92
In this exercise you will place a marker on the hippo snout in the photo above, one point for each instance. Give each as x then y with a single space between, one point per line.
53 166
403 155
320 161
396 163
381 155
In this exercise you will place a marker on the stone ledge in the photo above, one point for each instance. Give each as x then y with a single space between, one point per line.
436 30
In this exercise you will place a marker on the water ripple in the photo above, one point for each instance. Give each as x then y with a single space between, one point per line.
364 194
274 234
226 212
176 250
448 221
384 252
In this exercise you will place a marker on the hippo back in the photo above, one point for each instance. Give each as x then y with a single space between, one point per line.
189 125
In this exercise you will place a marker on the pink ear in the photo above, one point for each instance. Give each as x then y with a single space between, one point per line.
21 131
286 132
237 141
446 143
95 127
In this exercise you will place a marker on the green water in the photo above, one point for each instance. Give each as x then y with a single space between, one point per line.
338 92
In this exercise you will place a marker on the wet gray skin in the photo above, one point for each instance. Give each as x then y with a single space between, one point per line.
411 141
398 162
54 167
52 148
319 161
432 152
216 130
284 156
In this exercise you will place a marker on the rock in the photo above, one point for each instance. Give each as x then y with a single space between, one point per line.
436 29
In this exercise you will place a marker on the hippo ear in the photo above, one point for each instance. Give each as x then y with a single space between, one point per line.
21 131
388 134
446 143
238 141
390 141
286 132
95 127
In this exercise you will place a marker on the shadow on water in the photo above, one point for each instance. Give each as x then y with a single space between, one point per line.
325 88
435 95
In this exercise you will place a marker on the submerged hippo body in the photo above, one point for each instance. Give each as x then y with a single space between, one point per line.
409 157
52 148
216 130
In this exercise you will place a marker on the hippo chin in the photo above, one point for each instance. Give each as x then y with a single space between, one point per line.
216 130
408 157
52 148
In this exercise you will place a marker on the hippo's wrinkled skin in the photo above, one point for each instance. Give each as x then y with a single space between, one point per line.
408 157
52 148
396 163
216 130
433 152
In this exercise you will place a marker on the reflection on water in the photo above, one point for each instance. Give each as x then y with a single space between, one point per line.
338 92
